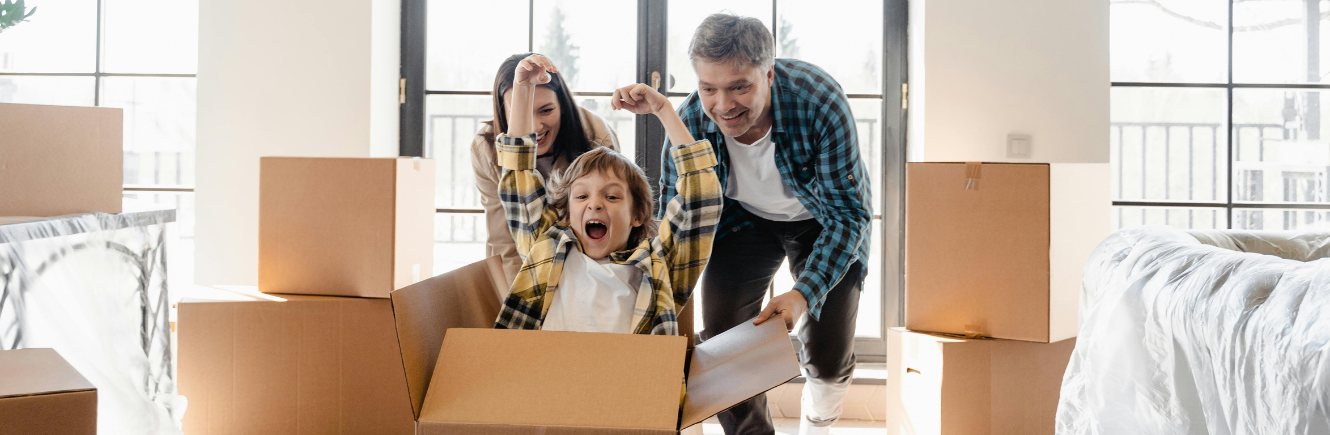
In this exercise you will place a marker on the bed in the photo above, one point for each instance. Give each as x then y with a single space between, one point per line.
1202 332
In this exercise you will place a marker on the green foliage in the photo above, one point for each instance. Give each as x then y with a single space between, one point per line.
560 49
13 12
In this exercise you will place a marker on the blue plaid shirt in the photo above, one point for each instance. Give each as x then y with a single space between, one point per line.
817 154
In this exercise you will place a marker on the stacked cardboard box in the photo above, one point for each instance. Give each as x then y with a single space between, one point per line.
57 160
41 394
344 226
994 254
320 355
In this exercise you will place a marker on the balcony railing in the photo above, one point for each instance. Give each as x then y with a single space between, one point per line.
1183 165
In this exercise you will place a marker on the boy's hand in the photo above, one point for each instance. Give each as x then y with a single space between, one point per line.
788 307
640 99
534 70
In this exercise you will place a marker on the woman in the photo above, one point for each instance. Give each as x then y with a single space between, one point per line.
564 131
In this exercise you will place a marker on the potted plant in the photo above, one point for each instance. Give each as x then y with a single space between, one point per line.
13 12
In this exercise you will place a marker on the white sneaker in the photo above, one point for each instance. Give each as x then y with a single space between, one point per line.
820 406
807 427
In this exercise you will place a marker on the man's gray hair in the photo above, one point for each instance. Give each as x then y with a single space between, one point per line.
726 37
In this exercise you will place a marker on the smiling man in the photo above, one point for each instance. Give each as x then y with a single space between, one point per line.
795 188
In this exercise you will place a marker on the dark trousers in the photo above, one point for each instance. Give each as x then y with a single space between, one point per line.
741 269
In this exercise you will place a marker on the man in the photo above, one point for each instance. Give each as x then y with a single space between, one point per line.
795 187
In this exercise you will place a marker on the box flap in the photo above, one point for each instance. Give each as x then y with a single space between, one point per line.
463 298
327 365
736 365
30 372
566 379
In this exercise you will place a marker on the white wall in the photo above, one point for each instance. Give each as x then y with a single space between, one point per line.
981 69
283 78
385 69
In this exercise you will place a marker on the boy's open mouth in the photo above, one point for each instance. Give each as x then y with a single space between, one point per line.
595 229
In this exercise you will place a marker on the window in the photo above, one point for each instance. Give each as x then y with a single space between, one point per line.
139 56
1217 114
606 44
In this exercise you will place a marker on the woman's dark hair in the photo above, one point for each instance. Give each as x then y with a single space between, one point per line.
571 140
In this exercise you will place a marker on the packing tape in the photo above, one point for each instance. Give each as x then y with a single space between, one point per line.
973 172
415 162
974 331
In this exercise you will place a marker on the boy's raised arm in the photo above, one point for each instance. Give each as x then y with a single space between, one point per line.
689 224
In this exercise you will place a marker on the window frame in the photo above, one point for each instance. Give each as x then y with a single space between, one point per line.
652 55
1229 205
97 75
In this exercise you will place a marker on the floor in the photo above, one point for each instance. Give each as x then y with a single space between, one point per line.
790 426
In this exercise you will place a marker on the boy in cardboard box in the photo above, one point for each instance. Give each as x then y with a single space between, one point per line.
592 258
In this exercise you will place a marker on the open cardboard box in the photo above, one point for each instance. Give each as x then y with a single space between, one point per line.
465 377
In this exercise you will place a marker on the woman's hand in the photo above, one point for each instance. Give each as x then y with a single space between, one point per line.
640 99
530 72
534 70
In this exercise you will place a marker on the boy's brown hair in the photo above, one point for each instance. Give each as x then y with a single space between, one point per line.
606 161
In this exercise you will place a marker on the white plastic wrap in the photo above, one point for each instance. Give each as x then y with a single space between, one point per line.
1202 332
93 287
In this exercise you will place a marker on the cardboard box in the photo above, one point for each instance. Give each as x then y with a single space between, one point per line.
57 160
955 386
466 378
344 226
997 249
306 365
42 394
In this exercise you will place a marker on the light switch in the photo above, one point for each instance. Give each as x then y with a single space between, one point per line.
1019 146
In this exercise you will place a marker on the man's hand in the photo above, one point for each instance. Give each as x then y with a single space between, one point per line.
640 99
789 307
534 70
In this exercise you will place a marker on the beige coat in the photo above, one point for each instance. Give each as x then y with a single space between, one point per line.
500 241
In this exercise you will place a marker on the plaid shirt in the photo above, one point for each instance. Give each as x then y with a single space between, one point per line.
817 154
670 263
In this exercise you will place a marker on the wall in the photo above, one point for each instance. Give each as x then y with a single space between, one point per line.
287 78
981 69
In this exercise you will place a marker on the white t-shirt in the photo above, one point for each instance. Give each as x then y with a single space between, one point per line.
593 296
755 181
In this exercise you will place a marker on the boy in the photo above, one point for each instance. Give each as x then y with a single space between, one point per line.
590 261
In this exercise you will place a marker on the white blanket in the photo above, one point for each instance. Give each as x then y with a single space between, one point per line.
1202 332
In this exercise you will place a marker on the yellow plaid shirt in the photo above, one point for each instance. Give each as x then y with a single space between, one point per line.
671 262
